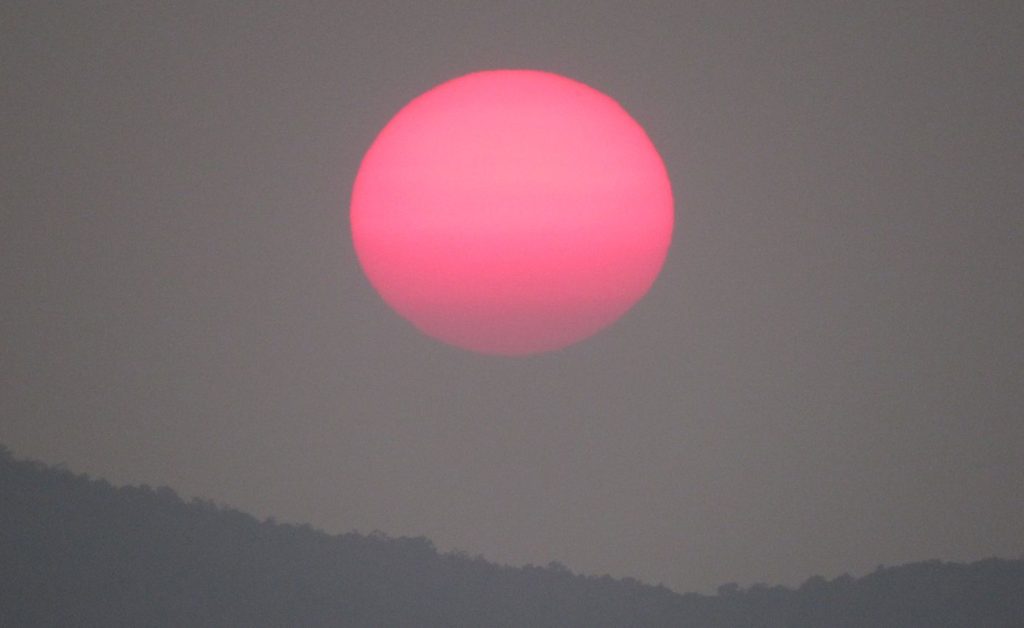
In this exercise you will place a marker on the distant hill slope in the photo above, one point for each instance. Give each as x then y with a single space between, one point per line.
80 552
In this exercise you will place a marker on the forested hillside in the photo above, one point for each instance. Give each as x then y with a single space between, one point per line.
78 551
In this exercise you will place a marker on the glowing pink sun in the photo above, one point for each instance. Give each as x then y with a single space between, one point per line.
512 212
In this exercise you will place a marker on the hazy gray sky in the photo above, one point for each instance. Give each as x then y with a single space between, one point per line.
828 374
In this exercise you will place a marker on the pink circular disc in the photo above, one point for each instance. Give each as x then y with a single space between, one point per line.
512 212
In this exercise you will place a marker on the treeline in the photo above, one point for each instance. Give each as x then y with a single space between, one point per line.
76 551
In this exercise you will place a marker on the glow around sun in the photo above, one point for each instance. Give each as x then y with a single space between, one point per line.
512 212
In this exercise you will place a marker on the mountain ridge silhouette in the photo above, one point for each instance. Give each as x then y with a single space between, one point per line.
79 551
